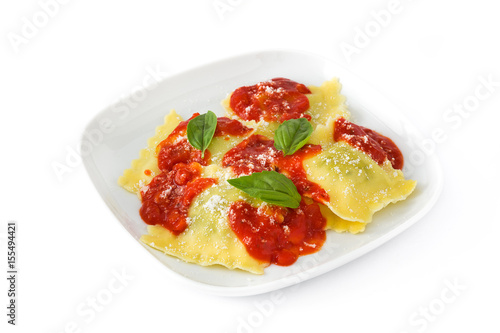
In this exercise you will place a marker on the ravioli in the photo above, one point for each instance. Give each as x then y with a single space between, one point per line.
326 104
358 187
208 240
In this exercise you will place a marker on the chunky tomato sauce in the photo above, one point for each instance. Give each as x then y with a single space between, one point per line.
257 153
166 200
226 126
277 99
278 235
180 152
377 146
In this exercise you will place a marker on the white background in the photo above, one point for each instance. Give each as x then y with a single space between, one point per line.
428 58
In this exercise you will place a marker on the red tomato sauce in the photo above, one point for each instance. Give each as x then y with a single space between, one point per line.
254 154
179 131
278 235
226 126
166 200
180 152
277 99
257 153
377 146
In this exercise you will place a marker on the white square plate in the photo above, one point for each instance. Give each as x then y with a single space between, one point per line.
203 89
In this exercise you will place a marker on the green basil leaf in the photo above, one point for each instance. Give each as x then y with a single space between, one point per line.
292 134
200 131
269 186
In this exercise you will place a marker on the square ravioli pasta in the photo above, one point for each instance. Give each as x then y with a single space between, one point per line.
263 184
